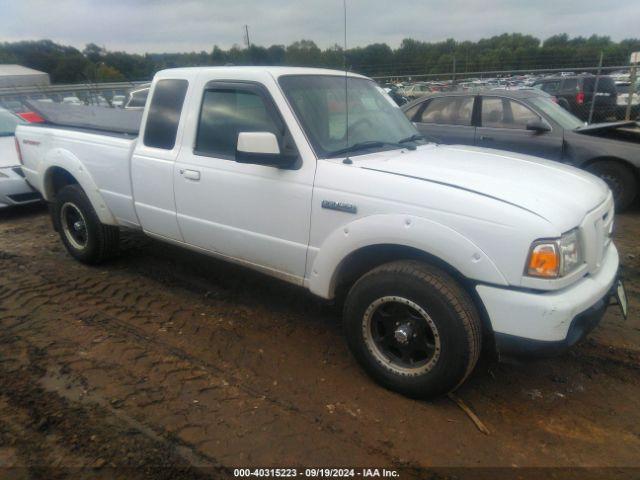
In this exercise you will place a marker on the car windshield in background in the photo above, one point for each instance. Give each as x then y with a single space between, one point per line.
558 114
375 121
8 123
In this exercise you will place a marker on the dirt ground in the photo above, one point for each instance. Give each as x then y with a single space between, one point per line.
168 364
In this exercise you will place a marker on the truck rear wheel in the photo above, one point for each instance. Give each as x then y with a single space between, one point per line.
413 328
84 237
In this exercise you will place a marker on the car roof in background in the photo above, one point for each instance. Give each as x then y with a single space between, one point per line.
515 94
567 77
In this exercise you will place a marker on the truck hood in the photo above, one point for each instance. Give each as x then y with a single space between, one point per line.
558 193
8 154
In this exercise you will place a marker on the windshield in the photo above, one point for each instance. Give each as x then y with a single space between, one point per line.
8 123
558 114
375 121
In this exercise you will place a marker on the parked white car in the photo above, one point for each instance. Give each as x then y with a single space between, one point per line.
72 101
117 101
13 188
432 248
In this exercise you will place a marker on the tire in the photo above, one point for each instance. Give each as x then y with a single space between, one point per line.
621 180
439 308
80 230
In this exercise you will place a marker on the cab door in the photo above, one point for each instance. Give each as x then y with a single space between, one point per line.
154 157
258 214
503 126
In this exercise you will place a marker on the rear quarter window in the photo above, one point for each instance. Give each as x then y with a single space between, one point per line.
605 84
551 86
570 85
164 114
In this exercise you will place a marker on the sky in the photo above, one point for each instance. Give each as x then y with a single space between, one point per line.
140 26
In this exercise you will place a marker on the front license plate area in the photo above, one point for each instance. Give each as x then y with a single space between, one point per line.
621 297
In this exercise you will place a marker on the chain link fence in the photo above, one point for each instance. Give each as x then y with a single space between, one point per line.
608 90
113 95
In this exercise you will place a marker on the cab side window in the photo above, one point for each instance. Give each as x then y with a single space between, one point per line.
164 114
448 111
225 113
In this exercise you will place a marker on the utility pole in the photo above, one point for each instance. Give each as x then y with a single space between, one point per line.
595 89
248 42
246 37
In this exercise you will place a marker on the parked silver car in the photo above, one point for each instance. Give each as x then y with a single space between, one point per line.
14 190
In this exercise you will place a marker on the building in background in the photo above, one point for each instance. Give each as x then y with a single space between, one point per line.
19 76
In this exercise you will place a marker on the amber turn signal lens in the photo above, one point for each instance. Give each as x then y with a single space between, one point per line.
544 261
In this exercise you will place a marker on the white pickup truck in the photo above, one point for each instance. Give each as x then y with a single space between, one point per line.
431 248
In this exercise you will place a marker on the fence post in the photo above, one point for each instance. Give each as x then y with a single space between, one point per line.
632 91
595 89
453 82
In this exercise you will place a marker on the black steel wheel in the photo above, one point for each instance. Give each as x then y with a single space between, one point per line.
401 335
413 328
80 229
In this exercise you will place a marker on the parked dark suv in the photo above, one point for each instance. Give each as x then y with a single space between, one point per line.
575 93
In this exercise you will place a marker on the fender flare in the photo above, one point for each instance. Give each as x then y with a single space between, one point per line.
419 233
60 158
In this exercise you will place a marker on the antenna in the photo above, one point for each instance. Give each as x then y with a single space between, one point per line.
346 79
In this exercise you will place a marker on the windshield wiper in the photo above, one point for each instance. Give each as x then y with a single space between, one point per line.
364 146
412 138
419 136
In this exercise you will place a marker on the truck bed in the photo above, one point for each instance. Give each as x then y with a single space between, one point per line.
103 119
98 158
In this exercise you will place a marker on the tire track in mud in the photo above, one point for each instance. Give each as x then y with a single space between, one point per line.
40 423
95 302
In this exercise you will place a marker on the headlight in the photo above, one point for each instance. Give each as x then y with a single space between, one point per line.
555 258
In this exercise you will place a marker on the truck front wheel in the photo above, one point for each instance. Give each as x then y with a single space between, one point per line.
413 328
84 237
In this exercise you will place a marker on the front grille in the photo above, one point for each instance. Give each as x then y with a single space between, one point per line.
19 171
25 197
596 230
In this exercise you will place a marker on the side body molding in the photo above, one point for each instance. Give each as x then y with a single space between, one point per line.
64 159
405 230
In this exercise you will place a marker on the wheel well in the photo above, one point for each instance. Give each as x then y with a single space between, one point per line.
58 178
365 259
622 162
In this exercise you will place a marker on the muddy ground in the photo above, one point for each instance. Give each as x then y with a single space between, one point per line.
168 364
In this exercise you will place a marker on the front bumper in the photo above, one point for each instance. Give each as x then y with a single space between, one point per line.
534 323
14 190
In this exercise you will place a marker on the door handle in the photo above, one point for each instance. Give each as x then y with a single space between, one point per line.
485 138
190 174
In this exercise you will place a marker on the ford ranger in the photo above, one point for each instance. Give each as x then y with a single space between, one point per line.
316 177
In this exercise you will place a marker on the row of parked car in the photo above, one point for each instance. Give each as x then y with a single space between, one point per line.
573 92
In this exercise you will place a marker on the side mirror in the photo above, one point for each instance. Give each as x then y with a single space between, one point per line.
538 126
260 148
